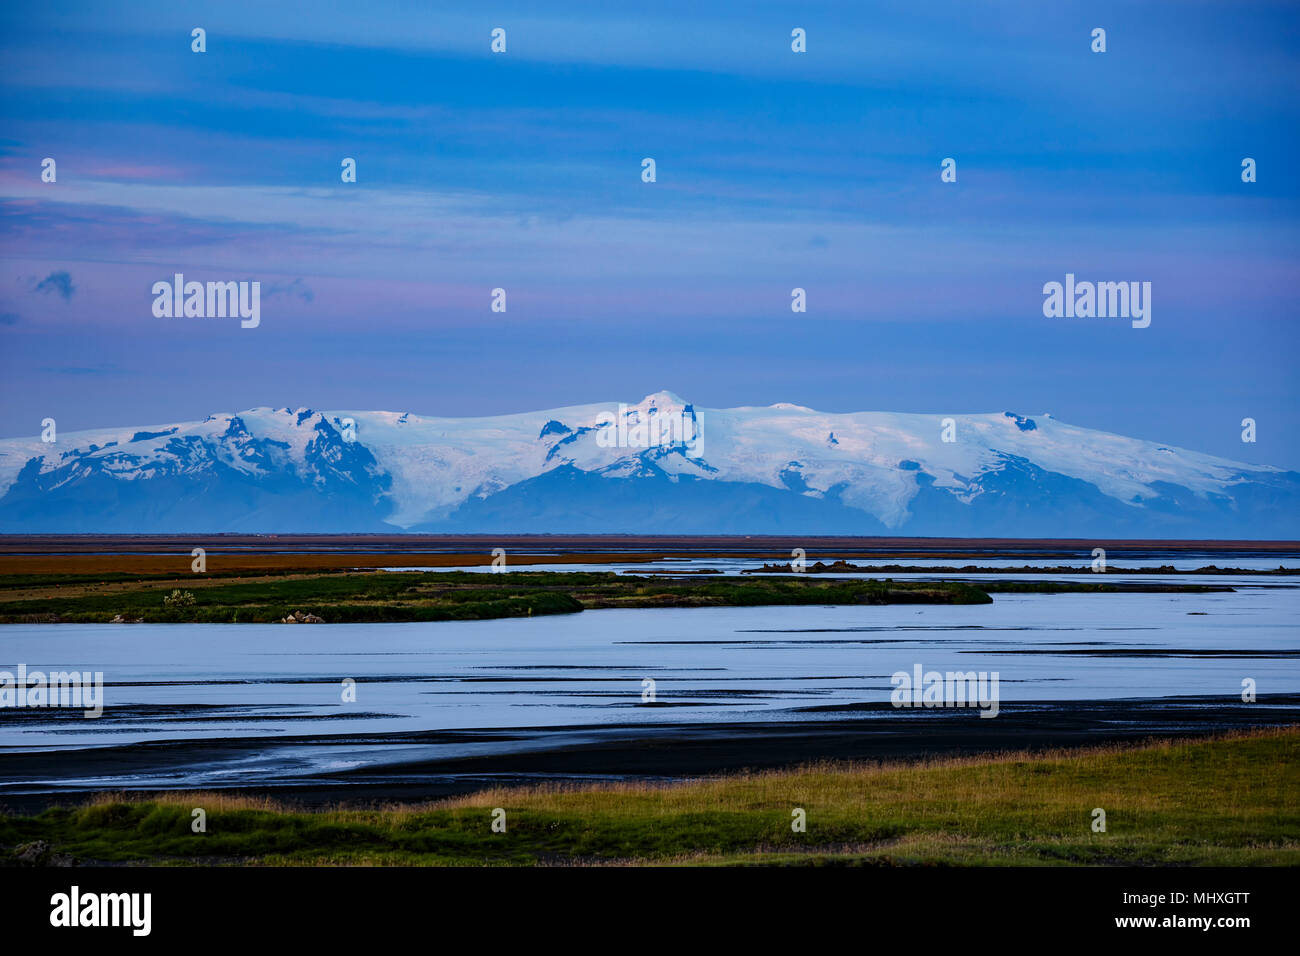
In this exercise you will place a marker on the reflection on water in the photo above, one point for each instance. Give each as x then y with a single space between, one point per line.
167 682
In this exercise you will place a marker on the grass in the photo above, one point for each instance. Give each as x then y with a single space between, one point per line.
446 596
337 595
1226 801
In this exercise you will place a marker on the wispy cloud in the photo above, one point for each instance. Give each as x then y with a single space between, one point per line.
296 288
775 170
60 283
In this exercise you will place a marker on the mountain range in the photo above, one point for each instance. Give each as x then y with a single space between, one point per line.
609 468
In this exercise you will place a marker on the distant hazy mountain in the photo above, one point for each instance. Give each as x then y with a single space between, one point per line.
783 469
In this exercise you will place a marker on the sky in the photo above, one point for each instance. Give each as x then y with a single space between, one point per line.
775 170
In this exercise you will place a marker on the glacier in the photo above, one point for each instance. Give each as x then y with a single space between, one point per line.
782 469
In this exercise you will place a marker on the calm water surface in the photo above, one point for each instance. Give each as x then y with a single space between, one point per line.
169 682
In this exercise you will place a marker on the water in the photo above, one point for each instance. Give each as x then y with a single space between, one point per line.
283 684
1182 562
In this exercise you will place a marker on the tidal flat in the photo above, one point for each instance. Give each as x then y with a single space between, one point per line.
604 664
1166 803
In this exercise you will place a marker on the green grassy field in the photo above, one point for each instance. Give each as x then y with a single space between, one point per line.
337 595
1227 801
438 596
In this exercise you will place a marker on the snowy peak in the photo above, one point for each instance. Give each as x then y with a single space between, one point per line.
657 465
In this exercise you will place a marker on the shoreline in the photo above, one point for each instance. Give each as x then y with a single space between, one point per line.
171 554
326 597
1021 807
650 752
400 542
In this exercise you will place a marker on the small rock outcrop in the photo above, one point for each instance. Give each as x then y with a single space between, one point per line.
40 853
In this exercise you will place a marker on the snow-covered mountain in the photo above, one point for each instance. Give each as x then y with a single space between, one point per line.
611 468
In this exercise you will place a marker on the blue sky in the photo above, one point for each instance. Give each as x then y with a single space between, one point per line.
775 170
